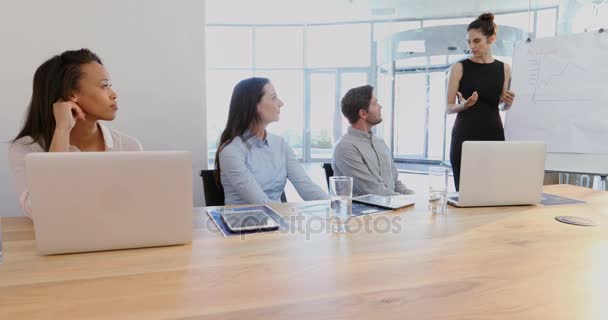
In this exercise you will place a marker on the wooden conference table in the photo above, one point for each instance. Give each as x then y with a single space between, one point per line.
476 263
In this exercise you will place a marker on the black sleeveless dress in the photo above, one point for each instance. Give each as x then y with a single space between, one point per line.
481 121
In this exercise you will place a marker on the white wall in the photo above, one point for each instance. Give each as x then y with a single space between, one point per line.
153 50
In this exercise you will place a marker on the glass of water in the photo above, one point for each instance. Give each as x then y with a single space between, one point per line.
438 189
340 192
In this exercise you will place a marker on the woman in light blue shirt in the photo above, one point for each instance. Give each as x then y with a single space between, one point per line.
252 164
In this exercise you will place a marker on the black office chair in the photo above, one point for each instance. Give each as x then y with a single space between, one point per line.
329 172
214 194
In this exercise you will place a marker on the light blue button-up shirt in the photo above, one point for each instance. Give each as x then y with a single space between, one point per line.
256 172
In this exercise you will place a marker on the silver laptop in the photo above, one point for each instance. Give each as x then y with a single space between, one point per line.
92 201
500 173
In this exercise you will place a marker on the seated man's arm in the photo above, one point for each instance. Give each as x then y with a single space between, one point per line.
400 186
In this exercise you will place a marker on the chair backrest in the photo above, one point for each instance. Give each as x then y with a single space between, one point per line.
329 172
214 194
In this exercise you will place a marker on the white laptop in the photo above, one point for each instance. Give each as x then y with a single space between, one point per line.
500 173
92 201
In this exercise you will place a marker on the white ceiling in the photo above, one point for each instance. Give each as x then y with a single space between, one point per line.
320 11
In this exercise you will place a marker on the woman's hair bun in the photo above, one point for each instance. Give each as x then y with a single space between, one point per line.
486 17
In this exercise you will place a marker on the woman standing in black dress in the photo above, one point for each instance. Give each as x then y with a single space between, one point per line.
483 80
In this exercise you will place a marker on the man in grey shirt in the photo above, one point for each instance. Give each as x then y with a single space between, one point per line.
362 155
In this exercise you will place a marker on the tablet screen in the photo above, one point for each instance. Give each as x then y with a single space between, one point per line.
392 202
247 220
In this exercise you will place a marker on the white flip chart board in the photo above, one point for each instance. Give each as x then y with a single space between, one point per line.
561 86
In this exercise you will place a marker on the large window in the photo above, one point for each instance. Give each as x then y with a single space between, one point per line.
546 23
279 47
322 106
313 65
290 89
348 81
310 69
421 129
520 20
410 115
219 90
229 47
336 46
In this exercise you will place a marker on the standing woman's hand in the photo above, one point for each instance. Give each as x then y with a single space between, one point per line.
507 97
467 103
66 113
